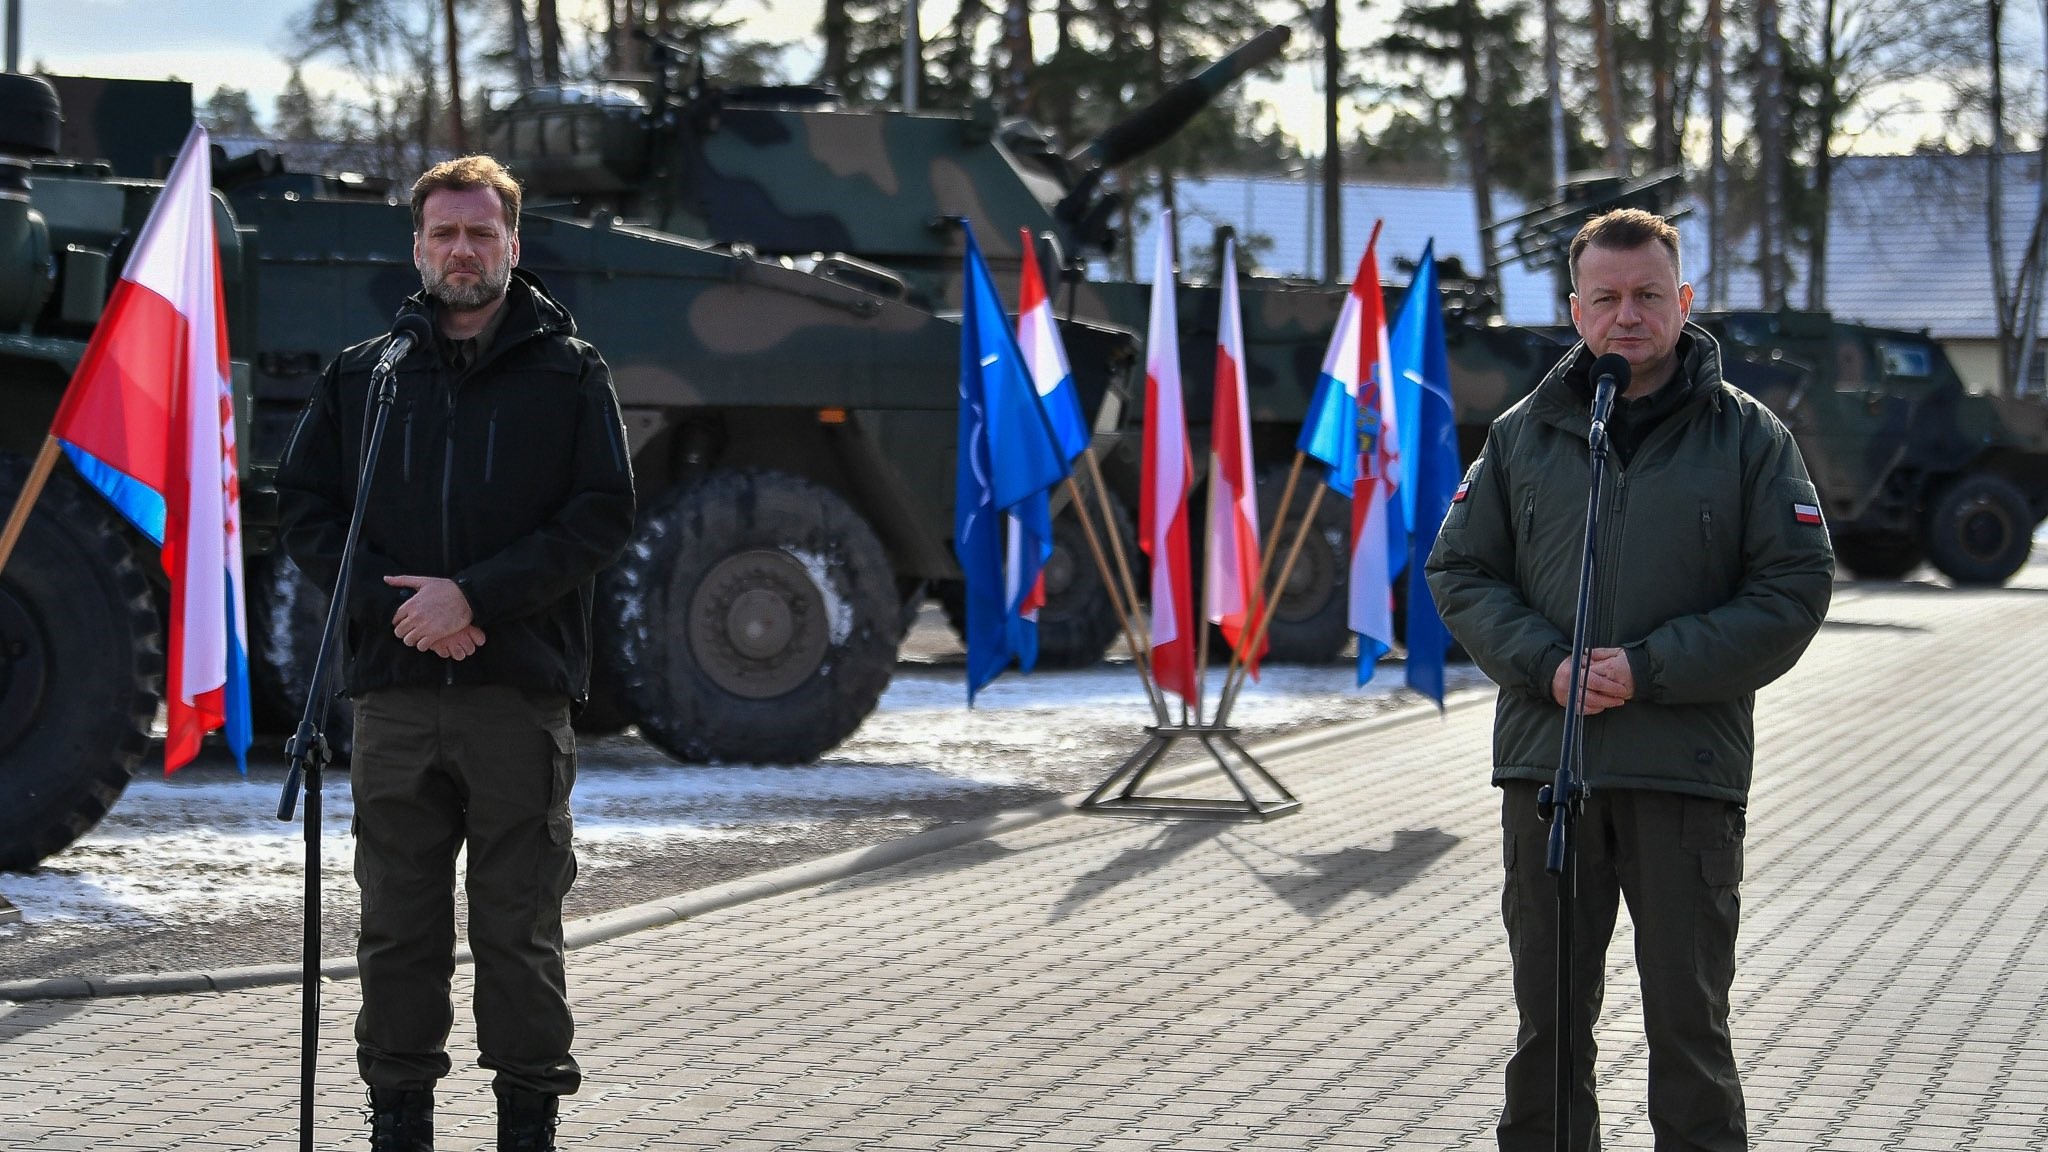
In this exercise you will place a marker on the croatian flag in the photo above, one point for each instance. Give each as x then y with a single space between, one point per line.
1046 357
1378 531
1230 581
1353 430
1163 489
1045 361
149 421
1007 463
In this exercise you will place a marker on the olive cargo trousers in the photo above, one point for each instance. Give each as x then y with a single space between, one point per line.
1678 861
435 770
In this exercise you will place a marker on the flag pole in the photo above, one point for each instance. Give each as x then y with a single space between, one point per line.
1202 617
46 460
1115 593
1267 602
1230 689
1139 652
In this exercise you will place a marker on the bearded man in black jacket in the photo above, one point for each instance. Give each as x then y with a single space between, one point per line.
503 488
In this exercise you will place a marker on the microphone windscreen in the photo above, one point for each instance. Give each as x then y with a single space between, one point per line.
1613 364
416 326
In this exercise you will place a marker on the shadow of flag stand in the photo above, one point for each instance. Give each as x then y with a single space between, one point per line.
1233 578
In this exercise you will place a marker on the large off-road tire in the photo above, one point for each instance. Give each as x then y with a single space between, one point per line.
1078 622
1886 557
81 669
1309 625
1979 530
755 618
287 610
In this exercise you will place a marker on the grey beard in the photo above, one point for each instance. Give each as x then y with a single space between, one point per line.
488 288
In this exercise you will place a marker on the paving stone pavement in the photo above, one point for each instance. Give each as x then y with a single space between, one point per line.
1333 979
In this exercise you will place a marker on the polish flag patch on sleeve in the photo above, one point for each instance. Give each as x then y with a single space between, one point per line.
1464 490
1806 513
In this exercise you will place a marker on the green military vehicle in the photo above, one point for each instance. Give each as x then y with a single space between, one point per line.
792 435
1912 467
789 171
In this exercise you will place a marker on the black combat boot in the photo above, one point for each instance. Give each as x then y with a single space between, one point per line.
401 1120
526 1121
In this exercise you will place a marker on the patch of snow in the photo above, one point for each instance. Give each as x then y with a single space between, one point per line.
837 609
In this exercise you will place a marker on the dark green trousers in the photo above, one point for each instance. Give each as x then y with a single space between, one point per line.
437 770
1677 860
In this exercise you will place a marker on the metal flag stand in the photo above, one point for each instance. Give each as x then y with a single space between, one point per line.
1120 794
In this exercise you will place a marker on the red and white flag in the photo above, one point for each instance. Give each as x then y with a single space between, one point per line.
1163 491
149 420
1230 582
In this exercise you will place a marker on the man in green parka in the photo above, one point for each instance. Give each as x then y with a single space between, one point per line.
1714 570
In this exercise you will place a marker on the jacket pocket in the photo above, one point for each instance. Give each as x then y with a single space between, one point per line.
561 825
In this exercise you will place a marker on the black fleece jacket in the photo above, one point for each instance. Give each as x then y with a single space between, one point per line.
510 477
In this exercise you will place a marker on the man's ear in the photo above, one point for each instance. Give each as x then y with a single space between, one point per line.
1685 301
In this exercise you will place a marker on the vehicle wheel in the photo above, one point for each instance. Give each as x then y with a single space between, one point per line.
1879 557
1980 530
1078 623
755 617
1309 624
81 669
287 610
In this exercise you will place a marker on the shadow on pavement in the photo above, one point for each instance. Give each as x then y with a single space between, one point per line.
18 1022
1133 863
1332 876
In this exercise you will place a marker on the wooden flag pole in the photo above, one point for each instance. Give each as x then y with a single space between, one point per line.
1115 593
1116 547
24 503
1231 688
1202 601
1267 602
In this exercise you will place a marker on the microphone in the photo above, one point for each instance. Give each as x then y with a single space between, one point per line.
1610 375
412 330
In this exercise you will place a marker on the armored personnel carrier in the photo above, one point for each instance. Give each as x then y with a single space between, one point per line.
869 192
792 435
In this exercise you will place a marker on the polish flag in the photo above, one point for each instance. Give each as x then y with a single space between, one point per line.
149 420
1230 582
1163 493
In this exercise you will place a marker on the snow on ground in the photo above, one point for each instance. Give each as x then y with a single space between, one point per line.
205 847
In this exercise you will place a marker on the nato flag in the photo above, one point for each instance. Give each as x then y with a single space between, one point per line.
1421 362
1008 463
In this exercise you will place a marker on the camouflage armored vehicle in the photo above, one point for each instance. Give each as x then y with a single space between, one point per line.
789 171
792 436
1912 466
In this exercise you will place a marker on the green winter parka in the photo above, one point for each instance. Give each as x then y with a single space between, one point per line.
1713 573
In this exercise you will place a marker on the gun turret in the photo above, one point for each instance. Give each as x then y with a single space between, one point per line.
1151 126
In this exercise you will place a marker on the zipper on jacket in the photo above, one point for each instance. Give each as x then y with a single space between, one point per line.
1707 526
447 486
490 444
1528 517
405 470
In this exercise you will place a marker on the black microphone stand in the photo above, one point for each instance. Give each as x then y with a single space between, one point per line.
309 751
1561 802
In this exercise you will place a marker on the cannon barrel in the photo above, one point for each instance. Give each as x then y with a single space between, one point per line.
1151 125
